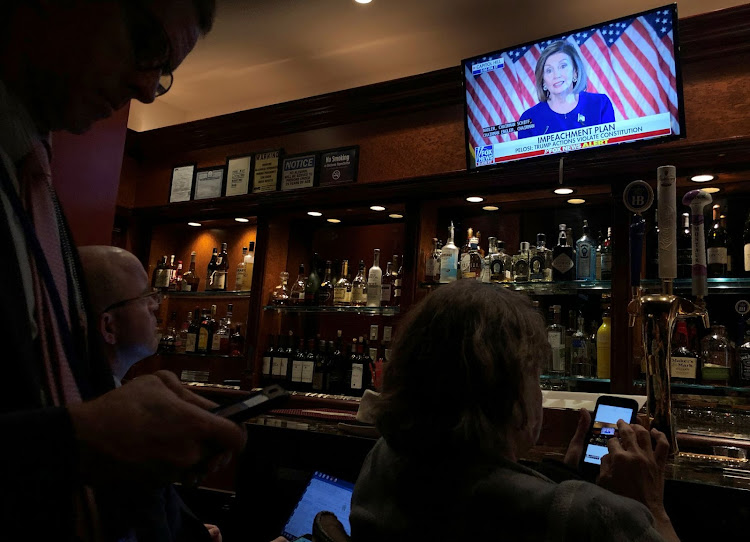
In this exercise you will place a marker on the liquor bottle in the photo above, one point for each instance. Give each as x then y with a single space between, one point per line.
717 357
475 262
367 362
172 271
479 244
386 291
191 338
449 260
521 263
730 245
432 263
746 245
249 259
205 333
580 357
604 347
286 361
684 249
237 342
569 332
593 328
398 280
297 362
268 355
312 283
280 294
540 261
160 277
585 254
190 279
359 287
279 360
337 374
325 290
563 265
342 291
684 367
211 271
225 331
168 339
374 281
743 361
555 337
308 366
463 258
716 246
221 273
175 285
354 371
502 265
298 288
605 257
239 280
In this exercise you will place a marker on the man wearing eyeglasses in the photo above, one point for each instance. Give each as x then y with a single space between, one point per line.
69 438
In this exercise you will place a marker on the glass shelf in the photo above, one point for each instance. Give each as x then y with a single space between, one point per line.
546 288
575 379
702 389
715 286
372 311
198 355
211 293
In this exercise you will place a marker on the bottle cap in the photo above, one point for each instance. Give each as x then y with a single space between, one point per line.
524 245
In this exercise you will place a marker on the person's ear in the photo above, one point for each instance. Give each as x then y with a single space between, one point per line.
108 328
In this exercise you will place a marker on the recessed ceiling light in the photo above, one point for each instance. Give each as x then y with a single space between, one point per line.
377 208
711 189
491 208
563 191
333 220
474 199
396 215
576 201
243 220
363 1
314 213
701 178
195 224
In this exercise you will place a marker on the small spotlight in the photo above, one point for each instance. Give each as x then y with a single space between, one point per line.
474 199
377 208
701 178
333 220
396 215
243 220
195 224
563 191
576 201
711 189
491 208
314 213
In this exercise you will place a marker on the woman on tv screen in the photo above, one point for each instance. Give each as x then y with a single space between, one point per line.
564 104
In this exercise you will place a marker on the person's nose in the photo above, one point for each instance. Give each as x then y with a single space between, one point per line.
143 85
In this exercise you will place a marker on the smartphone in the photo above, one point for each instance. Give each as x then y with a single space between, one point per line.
609 409
261 401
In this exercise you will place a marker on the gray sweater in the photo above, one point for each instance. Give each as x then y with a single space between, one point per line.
430 499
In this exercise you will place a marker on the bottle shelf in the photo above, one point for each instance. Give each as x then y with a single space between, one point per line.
198 355
372 311
715 286
211 293
702 389
592 380
546 288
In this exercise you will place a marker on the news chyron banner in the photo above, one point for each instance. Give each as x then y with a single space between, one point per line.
570 140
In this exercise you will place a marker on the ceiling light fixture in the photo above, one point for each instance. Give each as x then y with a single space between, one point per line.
363 1
563 191
701 178
314 213
711 189
377 208
491 208
396 215
474 199
576 201
195 224
243 220
333 220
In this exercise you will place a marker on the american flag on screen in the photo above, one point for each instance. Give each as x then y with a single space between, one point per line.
631 61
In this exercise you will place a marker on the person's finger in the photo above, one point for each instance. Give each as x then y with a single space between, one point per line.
661 448
627 435
644 439
584 421
614 446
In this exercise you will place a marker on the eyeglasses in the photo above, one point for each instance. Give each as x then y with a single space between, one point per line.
151 47
154 294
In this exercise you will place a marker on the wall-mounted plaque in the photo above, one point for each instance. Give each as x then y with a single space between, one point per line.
266 174
298 171
181 187
209 182
339 166
238 175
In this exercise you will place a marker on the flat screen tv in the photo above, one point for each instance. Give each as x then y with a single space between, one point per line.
609 83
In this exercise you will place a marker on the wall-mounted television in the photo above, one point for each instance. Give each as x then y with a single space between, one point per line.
609 83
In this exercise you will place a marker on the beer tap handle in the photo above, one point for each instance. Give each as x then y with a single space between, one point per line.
666 193
697 200
637 229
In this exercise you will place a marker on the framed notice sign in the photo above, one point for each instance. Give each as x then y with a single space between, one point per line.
181 186
339 166
238 175
209 182
266 173
298 171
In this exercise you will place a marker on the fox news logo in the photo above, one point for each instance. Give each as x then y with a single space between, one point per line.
484 155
